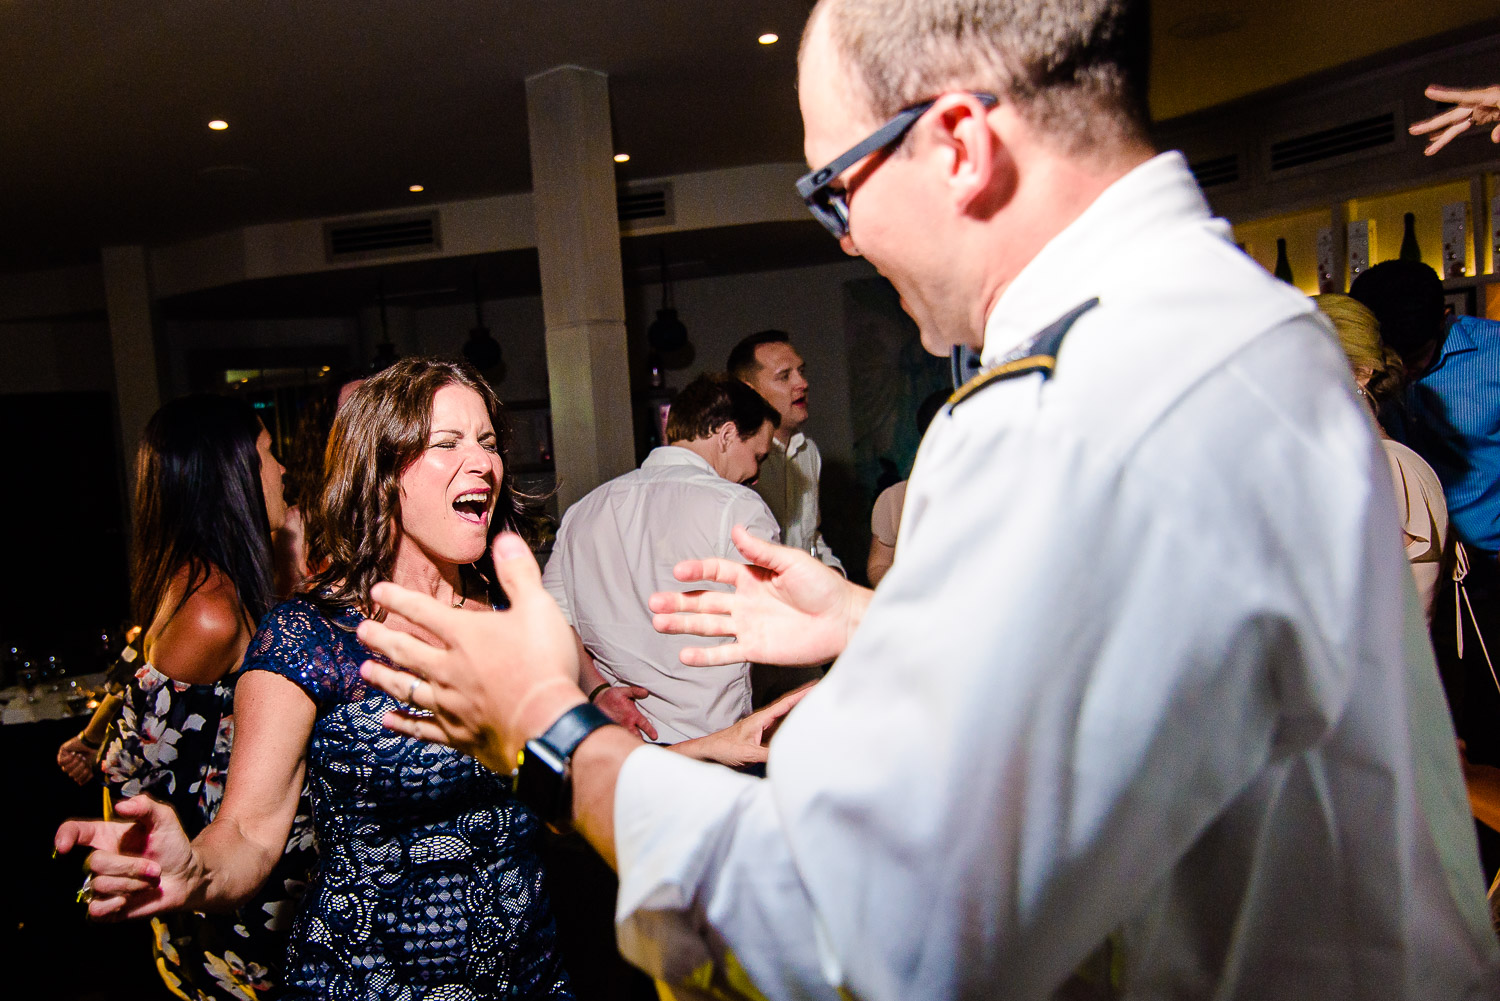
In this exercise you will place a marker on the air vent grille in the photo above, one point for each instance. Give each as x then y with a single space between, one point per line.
1216 171
1340 140
645 205
385 237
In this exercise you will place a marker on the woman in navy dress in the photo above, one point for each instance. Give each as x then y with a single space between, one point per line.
428 883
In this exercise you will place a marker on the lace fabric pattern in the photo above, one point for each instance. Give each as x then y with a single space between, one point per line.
173 741
428 883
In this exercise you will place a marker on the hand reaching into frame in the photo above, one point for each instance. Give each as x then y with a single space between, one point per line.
1473 107
786 607
76 759
496 680
747 742
143 862
618 702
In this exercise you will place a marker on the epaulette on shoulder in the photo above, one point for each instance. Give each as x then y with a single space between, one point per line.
1037 353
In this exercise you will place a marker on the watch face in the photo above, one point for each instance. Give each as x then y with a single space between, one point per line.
541 783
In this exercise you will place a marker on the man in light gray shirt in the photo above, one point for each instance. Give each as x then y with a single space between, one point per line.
619 543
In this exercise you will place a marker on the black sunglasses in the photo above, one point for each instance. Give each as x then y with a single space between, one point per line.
829 205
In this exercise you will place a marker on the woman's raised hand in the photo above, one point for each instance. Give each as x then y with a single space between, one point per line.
143 862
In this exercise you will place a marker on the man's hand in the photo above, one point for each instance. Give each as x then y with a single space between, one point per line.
496 680
143 863
747 742
618 702
1474 107
786 607
76 759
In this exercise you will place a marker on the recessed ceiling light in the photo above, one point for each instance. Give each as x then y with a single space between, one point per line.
218 125
416 188
622 158
769 38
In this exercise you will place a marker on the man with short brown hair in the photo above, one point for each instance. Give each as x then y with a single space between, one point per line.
790 476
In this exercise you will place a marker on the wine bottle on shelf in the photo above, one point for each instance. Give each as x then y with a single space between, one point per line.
1409 249
1283 266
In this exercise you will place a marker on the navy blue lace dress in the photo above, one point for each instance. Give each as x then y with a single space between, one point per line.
428 883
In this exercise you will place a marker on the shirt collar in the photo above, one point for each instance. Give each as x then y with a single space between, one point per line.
793 446
1072 265
676 455
1457 338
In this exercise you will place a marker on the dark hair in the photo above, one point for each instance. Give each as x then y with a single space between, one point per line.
713 400
199 504
379 431
1073 69
1407 300
742 363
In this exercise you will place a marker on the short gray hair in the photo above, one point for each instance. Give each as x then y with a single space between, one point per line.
1075 70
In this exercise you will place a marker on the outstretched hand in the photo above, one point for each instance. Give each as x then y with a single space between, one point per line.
747 742
495 679
143 863
1473 107
786 607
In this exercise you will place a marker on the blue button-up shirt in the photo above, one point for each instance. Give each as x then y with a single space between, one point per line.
1455 425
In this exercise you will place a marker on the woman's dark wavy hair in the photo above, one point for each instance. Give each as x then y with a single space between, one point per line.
199 504
380 430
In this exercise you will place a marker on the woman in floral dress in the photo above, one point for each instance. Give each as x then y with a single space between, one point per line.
208 495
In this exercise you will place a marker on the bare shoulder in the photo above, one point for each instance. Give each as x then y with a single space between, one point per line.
207 636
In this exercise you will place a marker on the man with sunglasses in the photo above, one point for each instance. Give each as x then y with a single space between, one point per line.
1144 708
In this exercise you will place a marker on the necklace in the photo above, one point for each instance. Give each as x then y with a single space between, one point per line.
460 602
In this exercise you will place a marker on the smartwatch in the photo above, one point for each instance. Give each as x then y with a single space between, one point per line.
543 778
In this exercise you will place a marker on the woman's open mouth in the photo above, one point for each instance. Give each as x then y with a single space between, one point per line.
473 506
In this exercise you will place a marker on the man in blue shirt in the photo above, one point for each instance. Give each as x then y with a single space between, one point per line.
1452 413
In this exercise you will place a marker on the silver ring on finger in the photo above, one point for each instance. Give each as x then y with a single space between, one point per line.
411 694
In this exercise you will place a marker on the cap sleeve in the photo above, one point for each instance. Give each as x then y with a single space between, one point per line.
297 641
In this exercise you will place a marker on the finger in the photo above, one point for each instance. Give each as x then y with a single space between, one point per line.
399 647
719 570
110 908
710 602
1440 121
1495 135
121 886
393 681
1450 95
422 728
757 551
1438 142
422 609
515 567
107 863
647 730
684 623
784 705
89 833
138 807
635 692
712 656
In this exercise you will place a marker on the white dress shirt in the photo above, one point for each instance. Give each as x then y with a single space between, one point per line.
788 483
1110 686
619 544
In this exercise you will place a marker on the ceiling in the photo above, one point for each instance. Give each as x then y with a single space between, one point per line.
337 106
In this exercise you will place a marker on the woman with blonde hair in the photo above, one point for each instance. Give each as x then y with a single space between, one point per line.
1380 377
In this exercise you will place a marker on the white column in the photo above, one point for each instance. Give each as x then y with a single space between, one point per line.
583 293
132 336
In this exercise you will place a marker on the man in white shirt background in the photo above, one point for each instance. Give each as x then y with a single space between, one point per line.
1150 674
790 476
618 545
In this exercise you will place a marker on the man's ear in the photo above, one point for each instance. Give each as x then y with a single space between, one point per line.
725 435
980 172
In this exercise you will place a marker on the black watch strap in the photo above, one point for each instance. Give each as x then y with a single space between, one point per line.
564 736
